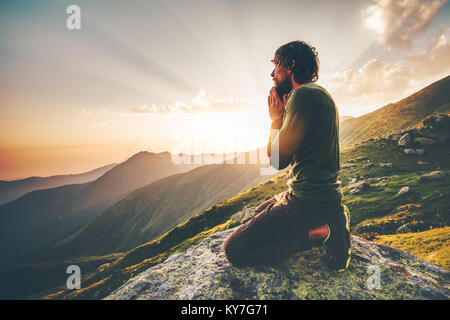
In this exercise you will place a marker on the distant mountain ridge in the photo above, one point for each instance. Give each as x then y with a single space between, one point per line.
400 115
13 189
152 210
43 216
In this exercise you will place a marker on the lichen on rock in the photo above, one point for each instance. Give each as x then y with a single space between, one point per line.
203 272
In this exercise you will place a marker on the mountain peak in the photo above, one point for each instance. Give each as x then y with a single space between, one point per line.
142 154
203 272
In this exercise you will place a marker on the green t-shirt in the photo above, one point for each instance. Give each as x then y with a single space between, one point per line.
315 164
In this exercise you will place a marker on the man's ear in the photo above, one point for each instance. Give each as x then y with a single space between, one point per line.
291 67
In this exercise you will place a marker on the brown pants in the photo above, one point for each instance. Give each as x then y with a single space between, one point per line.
278 230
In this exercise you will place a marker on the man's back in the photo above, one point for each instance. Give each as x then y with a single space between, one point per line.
315 165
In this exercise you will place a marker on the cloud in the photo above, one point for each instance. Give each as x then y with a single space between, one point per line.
202 102
398 21
379 82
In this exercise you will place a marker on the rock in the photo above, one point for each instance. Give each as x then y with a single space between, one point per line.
203 272
394 136
352 180
243 215
424 141
404 140
404 228
420 151
385 165
361 158
433 176
348 165
414 151
360 185
369 165
422 163
403 191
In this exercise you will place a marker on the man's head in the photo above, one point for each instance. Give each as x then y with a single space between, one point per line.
295 61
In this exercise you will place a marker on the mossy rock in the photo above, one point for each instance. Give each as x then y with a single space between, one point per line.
376 271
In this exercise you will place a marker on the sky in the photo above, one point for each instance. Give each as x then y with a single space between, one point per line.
191 76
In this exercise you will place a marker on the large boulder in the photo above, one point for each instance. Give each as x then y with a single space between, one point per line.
202 272
403 191
404 140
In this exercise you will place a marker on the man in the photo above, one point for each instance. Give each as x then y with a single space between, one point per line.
304 130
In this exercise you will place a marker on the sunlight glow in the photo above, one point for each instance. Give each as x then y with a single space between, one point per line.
374 20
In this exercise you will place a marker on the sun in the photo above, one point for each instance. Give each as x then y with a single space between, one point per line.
373 19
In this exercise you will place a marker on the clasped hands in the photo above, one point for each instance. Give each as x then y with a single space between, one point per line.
276 106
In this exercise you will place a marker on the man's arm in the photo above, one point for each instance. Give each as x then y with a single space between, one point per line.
276 125
292 130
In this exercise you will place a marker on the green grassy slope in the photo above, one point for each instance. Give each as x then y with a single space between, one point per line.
11 190
372 206
432 245
407 112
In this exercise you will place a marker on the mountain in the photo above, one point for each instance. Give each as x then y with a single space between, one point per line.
374 178
203 272
401 115
43 216
150 211
13 189
343 118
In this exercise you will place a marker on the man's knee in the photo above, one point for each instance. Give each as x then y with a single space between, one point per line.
232 251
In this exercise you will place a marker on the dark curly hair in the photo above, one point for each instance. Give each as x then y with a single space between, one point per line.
306 66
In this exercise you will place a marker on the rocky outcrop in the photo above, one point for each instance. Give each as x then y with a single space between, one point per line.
413 141
434 176
203 272
404 140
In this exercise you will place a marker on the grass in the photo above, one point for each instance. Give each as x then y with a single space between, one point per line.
431 245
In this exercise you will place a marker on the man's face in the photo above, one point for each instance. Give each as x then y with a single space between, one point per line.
281 79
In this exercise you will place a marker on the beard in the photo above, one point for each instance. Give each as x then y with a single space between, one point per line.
284 87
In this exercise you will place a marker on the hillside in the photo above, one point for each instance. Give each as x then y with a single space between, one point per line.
373 174
150 211
43 216
11 190
407 113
